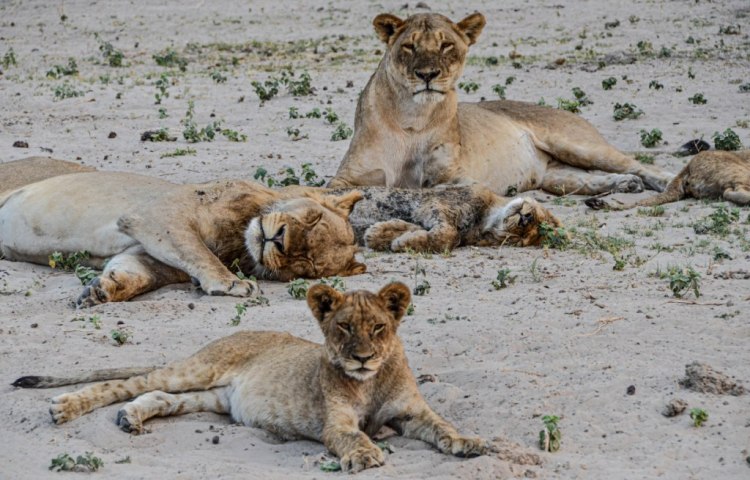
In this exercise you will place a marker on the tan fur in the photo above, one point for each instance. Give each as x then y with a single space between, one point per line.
154 232
711 175
33 169
410 130
442 218
340 393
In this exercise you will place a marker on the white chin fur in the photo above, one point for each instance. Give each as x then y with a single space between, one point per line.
361 376
253 240
427 97
497 215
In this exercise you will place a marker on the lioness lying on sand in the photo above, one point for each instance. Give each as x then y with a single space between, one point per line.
340 393
410 131
713 175
152 233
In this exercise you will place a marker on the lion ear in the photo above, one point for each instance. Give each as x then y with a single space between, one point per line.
322 299
386 26
472 26
346 202
397 297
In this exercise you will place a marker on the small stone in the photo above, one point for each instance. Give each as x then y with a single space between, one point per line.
215 440
674 407
112 135
631 390
191 306
20 144
34 325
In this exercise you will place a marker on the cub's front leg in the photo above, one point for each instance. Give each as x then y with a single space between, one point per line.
415 419
342 436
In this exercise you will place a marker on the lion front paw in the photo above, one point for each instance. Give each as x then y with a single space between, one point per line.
235 288
464 446
66 407
627 183
362 458
94 293
381 234
129 421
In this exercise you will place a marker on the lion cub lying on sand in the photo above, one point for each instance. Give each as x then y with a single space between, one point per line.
152 233
340 393
715 174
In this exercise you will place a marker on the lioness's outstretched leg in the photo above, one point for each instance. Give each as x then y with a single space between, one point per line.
420 422
342 436
127 275
565 180
130 418
181 247
738 195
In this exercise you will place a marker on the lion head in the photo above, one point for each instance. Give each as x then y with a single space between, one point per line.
360 326
308 237
518 223
426 52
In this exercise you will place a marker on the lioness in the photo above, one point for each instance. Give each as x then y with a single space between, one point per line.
714 174
339 393
151 232
410 131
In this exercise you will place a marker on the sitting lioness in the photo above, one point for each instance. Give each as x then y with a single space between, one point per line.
146 232
410 131
340 393
713 175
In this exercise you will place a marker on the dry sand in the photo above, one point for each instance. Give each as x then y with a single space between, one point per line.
568 337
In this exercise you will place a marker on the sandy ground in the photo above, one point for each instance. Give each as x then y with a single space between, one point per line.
567 338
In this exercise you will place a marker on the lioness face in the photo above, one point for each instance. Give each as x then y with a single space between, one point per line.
426 52
518 222
359 327
306 237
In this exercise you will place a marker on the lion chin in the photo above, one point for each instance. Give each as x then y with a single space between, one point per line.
254 240
428 96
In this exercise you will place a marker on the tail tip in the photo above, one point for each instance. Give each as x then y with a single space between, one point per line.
595 203
29 381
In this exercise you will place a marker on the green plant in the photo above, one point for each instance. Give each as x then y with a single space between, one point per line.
581 97
9 59
422 288
645 48
314 113
554 237
294 112
66 90
68 262
330 466
96 321
295 134
626 111
550 436
308 174
509 80
645 158
112 56
310 177
298 288
296 86
85 274
342 132
64 70
83 463
240 308
682 280
608 83
655 85
728 140
652 138
717 222
337 283
499 90
504 278
698 99
162 84
744 88
218 77
180 152
266 90
233 135
171 59
331 116
119 336
468 87
699 416
161 135
656 211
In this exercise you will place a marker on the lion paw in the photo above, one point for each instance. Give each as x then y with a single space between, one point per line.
65 408
129 421
463 446
627 183
381 234
93 294
235 288
362 458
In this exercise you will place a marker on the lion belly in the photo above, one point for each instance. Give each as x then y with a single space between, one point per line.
497 152
67 214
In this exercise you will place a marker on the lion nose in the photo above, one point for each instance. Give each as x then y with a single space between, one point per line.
362 359
278 239
427 74
526 219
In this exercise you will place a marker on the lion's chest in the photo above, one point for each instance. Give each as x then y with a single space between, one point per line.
422 160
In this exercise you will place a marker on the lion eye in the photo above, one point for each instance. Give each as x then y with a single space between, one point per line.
446 47
378 328
345 327
408 48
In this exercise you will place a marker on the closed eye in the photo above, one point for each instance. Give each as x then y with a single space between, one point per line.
345 327
408 48
446 47
378 328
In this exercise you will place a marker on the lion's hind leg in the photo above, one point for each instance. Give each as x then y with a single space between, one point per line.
127 275
131 417
738 194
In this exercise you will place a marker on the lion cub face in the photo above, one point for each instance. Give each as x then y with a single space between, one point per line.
359 327
427 51
518 222
306 237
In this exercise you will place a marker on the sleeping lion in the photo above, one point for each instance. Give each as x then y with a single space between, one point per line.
410 130
147 233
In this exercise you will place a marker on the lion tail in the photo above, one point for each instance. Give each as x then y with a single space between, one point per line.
39 381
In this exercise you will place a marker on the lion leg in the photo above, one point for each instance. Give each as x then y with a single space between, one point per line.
420 422
342 436
738 195
182 248
564 180
381 235
128 275
131 417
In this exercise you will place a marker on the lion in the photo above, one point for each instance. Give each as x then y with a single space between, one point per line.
146 232
339 393
410 130
712 175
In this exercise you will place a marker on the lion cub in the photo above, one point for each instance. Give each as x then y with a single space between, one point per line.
715 174
339 393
